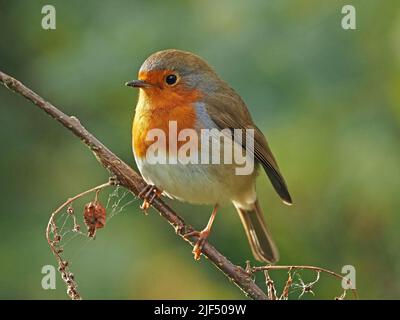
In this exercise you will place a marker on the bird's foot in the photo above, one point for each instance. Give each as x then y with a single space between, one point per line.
148 194
202 237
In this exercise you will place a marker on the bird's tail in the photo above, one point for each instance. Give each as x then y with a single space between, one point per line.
260 239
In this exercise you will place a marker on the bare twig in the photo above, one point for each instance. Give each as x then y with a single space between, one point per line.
286 289
53 242
305 287
270 286
132 181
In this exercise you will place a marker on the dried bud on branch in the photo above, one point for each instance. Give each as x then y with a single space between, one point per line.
95 217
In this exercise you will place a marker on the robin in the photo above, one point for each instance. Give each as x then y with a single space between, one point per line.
180 87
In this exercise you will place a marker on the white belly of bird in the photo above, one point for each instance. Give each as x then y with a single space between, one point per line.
200 183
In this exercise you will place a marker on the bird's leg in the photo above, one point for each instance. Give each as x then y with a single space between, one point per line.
202 235
148 194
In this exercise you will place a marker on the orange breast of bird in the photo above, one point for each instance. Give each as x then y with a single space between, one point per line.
158 106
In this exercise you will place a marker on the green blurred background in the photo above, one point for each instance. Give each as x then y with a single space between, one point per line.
327 99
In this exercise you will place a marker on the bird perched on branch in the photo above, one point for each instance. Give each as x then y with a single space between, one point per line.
181 95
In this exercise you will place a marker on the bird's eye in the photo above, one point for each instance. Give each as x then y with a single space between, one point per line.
171 79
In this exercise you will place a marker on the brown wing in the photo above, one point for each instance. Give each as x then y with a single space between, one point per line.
228 110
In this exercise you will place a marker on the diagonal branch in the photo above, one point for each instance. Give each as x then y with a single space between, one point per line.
132 181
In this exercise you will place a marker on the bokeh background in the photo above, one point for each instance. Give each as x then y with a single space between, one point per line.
327 99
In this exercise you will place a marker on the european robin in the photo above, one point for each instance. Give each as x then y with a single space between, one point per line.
180 87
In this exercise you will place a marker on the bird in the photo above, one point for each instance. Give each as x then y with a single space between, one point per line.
180 87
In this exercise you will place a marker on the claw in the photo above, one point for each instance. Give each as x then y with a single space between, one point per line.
149 193
145 206
198 247
191 234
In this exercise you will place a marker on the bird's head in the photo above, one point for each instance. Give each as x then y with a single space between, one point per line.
174 75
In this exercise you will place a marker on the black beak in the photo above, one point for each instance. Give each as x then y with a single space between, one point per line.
137 84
